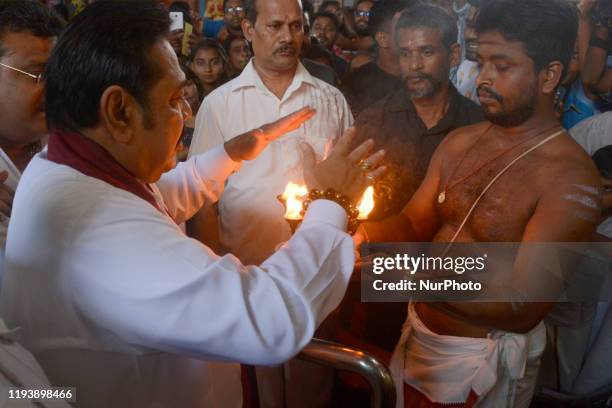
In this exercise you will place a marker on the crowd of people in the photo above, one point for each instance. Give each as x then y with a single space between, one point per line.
143 282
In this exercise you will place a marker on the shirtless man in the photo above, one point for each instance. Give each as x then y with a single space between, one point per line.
550 195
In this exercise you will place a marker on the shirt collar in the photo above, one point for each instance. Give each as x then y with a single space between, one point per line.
250 78
400 102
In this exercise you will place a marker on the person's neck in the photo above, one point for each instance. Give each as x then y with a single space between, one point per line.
20 154
208 88
276 81
431 110
233 31
388 62
541 121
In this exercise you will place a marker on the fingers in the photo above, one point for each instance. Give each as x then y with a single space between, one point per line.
374 160
309 155
295 120
343 145
376 174
310 161
3 176
287 123
361 151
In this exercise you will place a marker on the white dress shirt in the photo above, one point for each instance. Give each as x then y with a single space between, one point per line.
251 218
115 300
13 178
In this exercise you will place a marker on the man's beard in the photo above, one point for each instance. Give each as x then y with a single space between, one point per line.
434 87
362 31
513 118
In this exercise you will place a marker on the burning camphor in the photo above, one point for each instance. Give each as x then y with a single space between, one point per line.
295 194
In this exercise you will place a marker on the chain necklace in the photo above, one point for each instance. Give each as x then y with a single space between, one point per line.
442 195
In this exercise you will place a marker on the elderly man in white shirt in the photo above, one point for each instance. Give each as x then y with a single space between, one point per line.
273 84
111 296
250 219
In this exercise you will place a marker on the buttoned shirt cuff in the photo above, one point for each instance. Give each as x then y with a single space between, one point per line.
327 212
216 164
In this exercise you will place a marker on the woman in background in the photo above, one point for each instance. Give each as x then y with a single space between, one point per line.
239 53
208 61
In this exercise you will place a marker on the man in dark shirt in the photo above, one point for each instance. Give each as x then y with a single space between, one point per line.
325 28
375 80
411 122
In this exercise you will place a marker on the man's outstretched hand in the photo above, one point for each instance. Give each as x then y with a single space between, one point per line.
346 170
249 145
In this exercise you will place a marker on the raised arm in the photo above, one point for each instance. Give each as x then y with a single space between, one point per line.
200 179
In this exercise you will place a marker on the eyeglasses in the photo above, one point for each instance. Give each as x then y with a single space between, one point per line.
37 78
362 13
235 10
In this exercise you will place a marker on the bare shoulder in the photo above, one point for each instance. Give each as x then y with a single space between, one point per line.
566 160
461 139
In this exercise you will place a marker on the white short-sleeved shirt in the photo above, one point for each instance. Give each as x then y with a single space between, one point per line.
251 218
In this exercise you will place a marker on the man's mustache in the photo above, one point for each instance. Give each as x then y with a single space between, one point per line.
489 93
418 76
285 48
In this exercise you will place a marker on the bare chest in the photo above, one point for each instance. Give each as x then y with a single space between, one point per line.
502 213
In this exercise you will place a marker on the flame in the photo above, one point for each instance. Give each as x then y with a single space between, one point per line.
366 205
293 197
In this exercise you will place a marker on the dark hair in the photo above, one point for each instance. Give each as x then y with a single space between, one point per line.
382 13
191 76
546 28
225 3
108 43
28 16
358 2
425 15
62 11
209 44
325 14
329 3
227 43
250 8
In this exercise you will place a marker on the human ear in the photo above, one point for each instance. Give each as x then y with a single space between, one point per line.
118 113
551 76
247 29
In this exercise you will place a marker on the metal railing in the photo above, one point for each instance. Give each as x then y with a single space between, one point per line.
341 357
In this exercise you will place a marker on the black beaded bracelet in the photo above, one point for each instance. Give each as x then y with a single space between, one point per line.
343 201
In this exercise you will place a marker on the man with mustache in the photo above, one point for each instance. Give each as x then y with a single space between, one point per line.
234 13
325 29
409 124
377 79
515 178
274 83
28 31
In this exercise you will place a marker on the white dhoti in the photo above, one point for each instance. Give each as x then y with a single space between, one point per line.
500 369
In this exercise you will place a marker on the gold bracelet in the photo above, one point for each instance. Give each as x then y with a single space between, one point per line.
343 201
